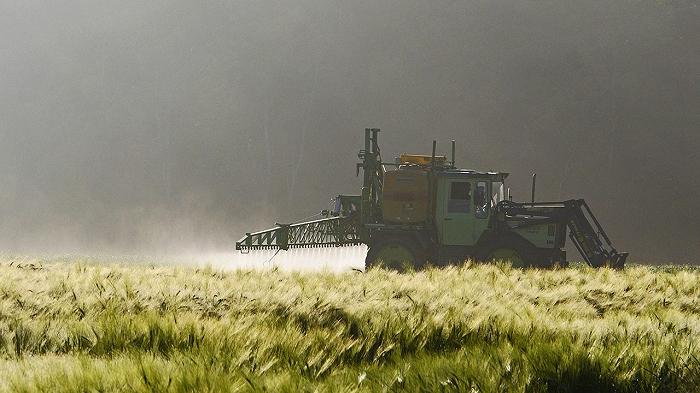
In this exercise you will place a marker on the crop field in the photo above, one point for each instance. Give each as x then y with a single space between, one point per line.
104 325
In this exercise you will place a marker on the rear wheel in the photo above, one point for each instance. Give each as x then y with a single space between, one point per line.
506 254
395 254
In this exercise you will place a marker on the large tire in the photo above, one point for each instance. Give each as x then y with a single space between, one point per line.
395 253
517 251
507 254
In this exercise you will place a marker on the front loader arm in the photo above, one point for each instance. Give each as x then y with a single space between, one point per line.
585 231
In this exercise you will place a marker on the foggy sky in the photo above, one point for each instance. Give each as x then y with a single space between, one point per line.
163 126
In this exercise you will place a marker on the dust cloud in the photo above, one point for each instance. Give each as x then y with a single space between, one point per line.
322 259
174 127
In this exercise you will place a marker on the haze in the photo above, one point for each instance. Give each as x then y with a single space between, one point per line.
171 126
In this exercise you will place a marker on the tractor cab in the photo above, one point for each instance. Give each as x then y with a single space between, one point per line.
464 202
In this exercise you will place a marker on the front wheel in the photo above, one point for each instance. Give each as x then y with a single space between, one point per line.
395 254
508 249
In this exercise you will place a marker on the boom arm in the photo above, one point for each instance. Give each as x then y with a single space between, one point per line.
331 231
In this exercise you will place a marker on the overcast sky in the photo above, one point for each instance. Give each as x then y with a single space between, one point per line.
161 126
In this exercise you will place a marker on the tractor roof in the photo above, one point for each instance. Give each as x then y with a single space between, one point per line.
497 176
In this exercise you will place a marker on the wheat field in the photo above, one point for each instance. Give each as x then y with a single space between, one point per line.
100 325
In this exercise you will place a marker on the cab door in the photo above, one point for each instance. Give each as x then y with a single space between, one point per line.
455 212
462 211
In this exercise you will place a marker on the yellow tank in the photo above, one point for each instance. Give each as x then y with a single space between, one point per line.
423 160
405 196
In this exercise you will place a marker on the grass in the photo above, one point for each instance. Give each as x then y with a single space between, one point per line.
92 326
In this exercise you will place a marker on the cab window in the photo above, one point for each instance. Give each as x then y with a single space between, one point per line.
497 193
481 201
460 197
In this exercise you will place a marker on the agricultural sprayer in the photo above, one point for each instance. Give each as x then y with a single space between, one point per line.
422 209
